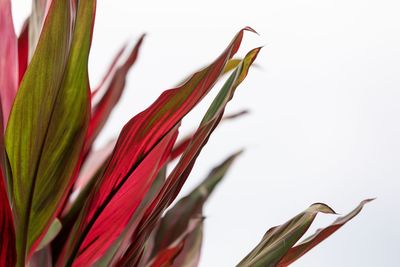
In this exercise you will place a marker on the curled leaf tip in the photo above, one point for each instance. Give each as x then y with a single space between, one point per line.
321 207
250 29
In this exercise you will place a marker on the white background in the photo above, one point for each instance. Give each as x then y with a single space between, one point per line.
324 123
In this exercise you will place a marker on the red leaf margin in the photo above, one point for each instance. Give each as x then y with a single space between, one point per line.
137 139
131 255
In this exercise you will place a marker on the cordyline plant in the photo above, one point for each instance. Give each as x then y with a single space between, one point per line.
62 203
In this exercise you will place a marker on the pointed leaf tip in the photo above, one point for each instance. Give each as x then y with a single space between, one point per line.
250 29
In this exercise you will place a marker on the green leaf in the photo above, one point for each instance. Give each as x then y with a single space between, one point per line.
306 245
176 220
48 122
36 20
133 254
278 240
53 231
277 248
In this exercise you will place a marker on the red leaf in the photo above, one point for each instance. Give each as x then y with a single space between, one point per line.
176 220
93 164
8 255
96 235
113 91
190 254
23 50
8 59
137 142
167 256
111 70
180 173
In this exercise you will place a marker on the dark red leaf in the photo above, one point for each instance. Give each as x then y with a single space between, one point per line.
94 235
180 173
23 50
135 144
166 257
8 255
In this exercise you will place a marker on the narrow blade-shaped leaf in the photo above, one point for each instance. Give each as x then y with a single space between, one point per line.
278 240
180 173
40 8
153 191
23 50
90 172
306 245
51 112
107 77
94 238
41 258
102 110
190 254
8 59
8 257
136 142
229 66
176 220
95 161
52 232
167 256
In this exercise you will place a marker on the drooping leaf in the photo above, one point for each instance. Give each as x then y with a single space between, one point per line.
277 248
176 220
278 240
51 113
113 91
306 245
8 59
136 142
180 173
